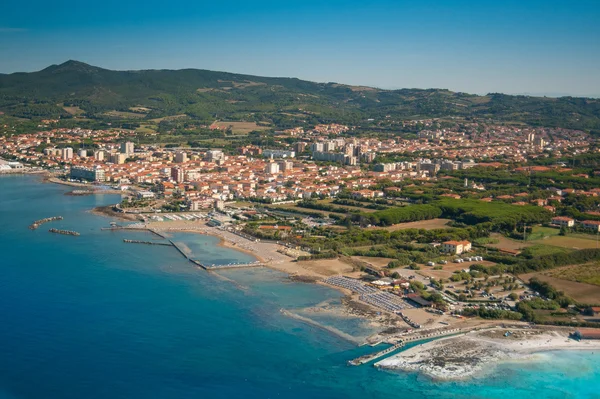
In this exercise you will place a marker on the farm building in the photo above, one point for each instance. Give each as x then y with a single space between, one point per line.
593 225
456 247
563 221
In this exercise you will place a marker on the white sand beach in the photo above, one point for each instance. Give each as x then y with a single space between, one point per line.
472 354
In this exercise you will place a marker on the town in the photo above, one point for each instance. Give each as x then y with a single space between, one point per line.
452 218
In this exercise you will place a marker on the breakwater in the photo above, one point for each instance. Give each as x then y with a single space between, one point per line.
64 232
215 267
38 223
411 338
231 266
369 358
80 192
146 242
157 233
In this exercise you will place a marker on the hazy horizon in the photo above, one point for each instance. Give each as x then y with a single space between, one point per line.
542 47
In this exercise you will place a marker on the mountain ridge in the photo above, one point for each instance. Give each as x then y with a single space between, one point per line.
202 94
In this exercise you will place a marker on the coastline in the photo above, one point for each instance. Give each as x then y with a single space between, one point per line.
269 255
227 244
107 211
475 354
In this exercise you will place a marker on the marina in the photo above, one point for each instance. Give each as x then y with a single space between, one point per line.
374 356
423 335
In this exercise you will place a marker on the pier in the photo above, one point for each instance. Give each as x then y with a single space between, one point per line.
374 356
146 242
38 223
157 233
416 337
232 266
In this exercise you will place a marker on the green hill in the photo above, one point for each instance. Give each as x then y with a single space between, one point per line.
77 89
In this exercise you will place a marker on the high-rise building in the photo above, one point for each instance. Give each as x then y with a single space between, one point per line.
278 154
368 156
181 157
215 155
82 153
272 168
177 175
285 165
127 148
329 146
349 150
539 142
299 147
117 158
90 174
67 153
317 147
99 155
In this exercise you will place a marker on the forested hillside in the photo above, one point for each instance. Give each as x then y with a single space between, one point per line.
75 89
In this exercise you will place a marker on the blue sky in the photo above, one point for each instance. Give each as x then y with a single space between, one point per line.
527 46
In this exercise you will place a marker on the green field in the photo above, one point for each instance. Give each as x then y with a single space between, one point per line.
589 273
543 250
541 233
575 241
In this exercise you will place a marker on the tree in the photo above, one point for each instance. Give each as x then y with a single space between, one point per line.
513 296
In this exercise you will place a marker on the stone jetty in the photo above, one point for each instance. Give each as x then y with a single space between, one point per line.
38 223
64 232
147 242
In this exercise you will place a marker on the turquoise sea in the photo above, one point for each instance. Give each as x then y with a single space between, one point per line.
92 317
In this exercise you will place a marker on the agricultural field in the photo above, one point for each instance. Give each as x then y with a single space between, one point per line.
542 233
421 224
240 127
145 130
581 292
74 110
589 273
508 243
140 109
543 250
125 115
168 118
578 241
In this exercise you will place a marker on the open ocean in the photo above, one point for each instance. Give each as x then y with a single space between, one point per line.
92 317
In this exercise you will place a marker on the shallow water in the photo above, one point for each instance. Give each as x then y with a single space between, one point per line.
93 317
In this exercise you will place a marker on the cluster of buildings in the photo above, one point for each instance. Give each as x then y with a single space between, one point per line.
292 171
564 221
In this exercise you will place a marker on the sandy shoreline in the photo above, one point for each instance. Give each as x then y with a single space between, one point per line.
107 211
476 353
226 244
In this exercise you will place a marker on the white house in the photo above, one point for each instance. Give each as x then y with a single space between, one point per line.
563 221
591 225
456 247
